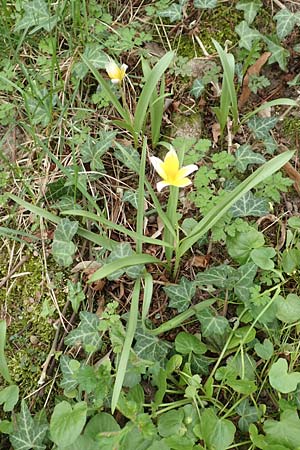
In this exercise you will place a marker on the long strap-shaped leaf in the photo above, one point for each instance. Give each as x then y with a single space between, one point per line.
3 365
223 206
146 94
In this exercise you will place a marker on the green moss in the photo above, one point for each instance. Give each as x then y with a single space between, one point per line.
29 334
291 127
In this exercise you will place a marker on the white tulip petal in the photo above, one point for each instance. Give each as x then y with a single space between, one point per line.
187 170
158 166
161 184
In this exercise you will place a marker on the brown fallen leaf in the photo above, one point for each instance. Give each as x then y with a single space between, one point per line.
253 70
201 261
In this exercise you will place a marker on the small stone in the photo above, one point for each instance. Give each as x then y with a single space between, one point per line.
34 340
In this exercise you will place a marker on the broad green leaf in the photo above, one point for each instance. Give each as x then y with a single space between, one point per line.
69 368
101 423
95 55
215 328
63 248
242 336
121 251
240 246
173 13
4 372
285 432
243 365
9 397
67 422
150 347
87 333
280 379
245 156
260 126
249 205
250 8
217 433
288 309
247 35
37 15
279 54
290 260
286 20
220 276
197 88
180 295
264 350
82 442
244 387
92 150
170 422
28 433
249 414
262 257
186 343
75 294
245 275
205 4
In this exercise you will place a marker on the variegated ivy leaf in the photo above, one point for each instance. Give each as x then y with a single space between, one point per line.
37 15
212 325
180 295
286 20
248 414
245 277
247 35
220 276
279 54
248 205
28 432
95 55
200 364
128 156
173 13
205 4
92 150
131 197
69 368
63 248
250 8
87 333
120 251
197 88
245 156
149 347
260 126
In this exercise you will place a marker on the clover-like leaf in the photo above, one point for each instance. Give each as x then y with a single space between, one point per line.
247 35
240 246
87 333
245 156
249 414
28 433
250 8
286 20
180 295
264 350
282 380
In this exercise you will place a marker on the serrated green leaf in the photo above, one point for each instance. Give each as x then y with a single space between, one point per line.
279 54
264 350
173 13
9 397
180 295
220 276
282 380
260 126
197 88
250 8
247 35
288 309
67 422
205 4
248 205
286 20
37 15
69 367
245 156
27 434
95 55
150 347
245 276
87 333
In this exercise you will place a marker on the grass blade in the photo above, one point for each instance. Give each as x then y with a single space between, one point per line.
148 291
3 364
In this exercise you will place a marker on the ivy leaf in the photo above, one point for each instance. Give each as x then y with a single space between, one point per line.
28 433
220 276
87 333
92 150
264 350
63 248
94 54
205 4
260 126
150 347
128 156
9 397
173 13
215 328
279 54
121 251
69 368
67 422
286 20
247 35
250 8
245 277
200 364
280 379
75 294
248 205
249 414
131 197
37 15
197 88
180 295
288 309
245 156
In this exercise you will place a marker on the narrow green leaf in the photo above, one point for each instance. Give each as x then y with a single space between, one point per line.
3 364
